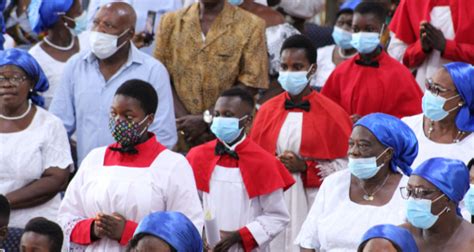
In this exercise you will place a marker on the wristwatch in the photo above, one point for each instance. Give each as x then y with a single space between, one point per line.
207 116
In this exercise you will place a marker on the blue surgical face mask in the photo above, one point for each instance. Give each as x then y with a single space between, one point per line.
419 212
364 168
236 2
342 38
433 106
81 23
365 42
469 200
293 82
227 129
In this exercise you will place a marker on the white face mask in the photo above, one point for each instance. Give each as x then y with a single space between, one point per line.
104 45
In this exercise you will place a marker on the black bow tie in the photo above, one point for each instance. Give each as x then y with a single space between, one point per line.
221 149
369 64
126 149
304 105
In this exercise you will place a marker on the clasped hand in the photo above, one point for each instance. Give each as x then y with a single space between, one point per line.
110 226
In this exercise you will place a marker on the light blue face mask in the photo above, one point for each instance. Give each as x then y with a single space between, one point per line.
342 38
365 42
236 2
227 129
419 212
364 168
81 23
469 200
293 82
433 106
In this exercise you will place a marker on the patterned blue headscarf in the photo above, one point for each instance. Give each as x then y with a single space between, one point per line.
393 133
462 75
27 63
397 235
43 14
450 176
174 228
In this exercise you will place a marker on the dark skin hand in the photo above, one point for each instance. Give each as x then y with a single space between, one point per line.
435 37
110 226
426 44
292 162
228 241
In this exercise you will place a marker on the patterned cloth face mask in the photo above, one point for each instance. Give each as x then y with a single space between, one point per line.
126 133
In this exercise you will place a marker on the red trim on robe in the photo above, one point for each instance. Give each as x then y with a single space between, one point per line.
406 26
389 88
261 172
326 130
147 153
81 233
128 231
248 241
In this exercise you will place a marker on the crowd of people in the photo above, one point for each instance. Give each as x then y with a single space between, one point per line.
223 125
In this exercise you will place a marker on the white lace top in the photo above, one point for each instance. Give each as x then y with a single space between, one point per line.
26 154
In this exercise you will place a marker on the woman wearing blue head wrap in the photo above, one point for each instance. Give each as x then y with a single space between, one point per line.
389 238
166 232
34 148
445 129
381 150
433 193
61 20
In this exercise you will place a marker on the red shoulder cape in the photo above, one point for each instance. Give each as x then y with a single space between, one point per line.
261 172
389 88
326 127
406 26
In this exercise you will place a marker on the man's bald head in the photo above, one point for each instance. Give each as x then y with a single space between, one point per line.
119 14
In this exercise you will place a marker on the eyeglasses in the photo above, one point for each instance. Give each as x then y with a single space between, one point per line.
15 80
434 87
417 193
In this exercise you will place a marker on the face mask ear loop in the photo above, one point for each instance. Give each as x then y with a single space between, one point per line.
119 36
381 154
140 123
308 76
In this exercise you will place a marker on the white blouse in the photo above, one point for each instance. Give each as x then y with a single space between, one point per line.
464 150
335 223
24 157
167 185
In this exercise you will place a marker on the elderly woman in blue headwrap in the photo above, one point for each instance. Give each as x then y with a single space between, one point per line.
34 149
381 151
388 238
62 21
166 232
433 193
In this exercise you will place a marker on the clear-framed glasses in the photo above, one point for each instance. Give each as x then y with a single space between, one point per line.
15 80
434 87
417 192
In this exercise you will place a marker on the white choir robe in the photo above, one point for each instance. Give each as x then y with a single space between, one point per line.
264 216
298 199
134 192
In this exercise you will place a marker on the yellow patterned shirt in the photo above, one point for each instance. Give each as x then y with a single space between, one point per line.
234 50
